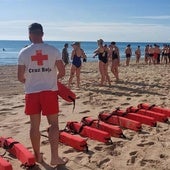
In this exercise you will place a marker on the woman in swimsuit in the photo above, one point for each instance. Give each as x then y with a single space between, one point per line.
102 52
76 56
138 54
114 55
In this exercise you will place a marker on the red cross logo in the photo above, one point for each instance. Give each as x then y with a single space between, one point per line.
39 57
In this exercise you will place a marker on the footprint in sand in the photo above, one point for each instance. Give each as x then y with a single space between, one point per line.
133 158
137 95
18 106
104 107
144 144
5 109
163 98
85 111
71 150
104 161
125 104
163 156
143 162
144 100
86 102
128 98
133 153
98 148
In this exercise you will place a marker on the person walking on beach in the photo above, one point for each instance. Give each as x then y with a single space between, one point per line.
151 52
37 69
165 53
146 54
138 54
103 53
128 53
65 54
156 54
76 56
114 55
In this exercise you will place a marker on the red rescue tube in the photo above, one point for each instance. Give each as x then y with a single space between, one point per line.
5 165
165 111
75 141
158 116
113 130
120 121
137 117
18 150
65 93
86 131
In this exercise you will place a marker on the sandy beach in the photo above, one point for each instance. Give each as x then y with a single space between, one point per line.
145 150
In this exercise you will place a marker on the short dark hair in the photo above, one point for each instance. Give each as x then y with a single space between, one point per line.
66 45
113 43
35 27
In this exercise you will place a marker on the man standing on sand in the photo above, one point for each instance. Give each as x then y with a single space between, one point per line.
128 53
37 69
138 54
65 54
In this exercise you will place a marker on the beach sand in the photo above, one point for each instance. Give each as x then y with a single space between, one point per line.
145 150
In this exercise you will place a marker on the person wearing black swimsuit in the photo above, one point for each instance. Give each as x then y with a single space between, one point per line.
76 56
102 52
114 55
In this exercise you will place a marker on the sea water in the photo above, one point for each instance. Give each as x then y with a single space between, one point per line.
9 49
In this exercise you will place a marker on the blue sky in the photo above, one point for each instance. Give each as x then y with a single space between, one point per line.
87 20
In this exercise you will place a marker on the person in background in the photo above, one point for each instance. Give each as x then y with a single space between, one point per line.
103 52
76 56
156 54
168 53
65 54
128 53
165 53
151 52
38 65
115 57
146 54
138 54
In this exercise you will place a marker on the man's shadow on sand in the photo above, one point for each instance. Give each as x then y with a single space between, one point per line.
48 167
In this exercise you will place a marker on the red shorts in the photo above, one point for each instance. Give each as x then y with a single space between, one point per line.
45 102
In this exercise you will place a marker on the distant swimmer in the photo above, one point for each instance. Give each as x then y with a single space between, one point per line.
3 49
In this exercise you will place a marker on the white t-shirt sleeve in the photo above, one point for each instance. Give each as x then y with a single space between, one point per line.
21 58
58 55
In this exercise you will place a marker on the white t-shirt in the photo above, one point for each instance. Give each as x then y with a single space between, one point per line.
41 72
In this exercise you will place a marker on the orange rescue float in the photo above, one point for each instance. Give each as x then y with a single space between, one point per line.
113 130
120 121
75 141
136 117
86 131
18 150
155 108
4 164
158 116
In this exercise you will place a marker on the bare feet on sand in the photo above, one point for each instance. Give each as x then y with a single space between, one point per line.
39 158
60 161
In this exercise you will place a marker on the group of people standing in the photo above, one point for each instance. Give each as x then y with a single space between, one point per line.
104 53
77 55
156 55
110 55
153 54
